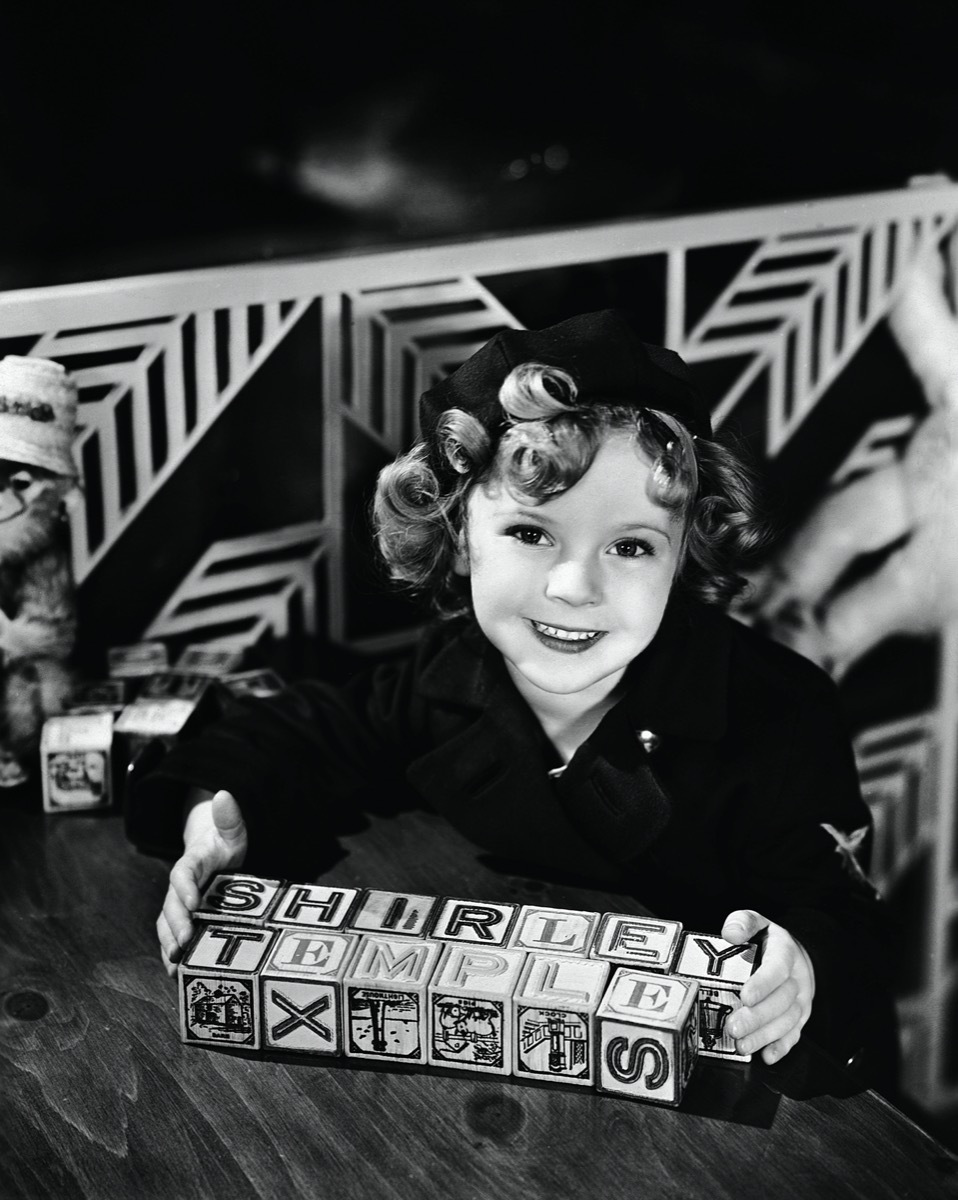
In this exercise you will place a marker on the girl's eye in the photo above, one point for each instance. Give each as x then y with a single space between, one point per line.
528 535
21 481
632 548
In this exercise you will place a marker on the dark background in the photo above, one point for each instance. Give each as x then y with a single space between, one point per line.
149 139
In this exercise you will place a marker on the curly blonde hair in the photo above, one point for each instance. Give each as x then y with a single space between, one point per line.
547 443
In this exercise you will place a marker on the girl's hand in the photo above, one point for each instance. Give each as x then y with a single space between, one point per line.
777 999
214 840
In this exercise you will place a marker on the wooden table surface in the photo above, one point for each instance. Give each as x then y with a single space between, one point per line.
98 1098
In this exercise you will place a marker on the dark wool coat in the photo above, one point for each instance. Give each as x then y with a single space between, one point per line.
726 812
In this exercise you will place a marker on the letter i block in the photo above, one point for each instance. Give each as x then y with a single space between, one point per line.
400 913
554 930
384 997
555 1005
238 899
470 1008
645 943
648 1035
477 921
721 969
219 988
313 906
302 991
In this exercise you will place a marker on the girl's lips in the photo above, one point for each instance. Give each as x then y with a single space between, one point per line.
567 641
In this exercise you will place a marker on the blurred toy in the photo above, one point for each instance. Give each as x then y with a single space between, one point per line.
38 407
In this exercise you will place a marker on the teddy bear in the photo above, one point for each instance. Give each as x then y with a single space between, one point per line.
38 410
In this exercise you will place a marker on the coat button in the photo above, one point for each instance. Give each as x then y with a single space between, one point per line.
650 741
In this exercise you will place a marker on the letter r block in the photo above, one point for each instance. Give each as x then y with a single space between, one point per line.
218 986
479 922
648 1035
301 987
721 969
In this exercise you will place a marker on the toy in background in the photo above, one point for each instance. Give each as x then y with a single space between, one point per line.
38 409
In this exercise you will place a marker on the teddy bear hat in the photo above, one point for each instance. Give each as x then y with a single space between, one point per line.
38 410
601 351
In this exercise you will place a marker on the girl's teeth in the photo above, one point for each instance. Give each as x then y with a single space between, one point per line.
564 635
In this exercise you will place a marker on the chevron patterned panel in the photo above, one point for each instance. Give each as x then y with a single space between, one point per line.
243 588
801 307
148 392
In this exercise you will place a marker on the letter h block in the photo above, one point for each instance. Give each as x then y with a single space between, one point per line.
555 1005
721 969
302 991
470 1008
648 1035
384 998
219 986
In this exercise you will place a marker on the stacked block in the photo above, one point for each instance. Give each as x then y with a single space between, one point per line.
606 1000
720 969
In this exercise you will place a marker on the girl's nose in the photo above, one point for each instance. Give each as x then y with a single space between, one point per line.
573 582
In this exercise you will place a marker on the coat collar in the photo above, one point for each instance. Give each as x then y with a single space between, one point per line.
678 686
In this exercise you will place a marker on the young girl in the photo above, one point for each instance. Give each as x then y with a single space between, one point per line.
582 704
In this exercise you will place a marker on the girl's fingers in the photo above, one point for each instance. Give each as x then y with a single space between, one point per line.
782 1026
748 1019
778 1049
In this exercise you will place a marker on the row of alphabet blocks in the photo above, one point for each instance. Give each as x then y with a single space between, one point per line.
619 1002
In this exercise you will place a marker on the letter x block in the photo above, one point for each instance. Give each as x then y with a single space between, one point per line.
721 969
555 1004
648 1035
470 1008
384 996
219 988
301 991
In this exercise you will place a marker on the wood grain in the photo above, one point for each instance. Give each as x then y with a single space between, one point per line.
98 1098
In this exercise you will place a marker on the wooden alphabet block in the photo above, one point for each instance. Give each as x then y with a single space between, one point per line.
554 930
384 997
259 683
555 1004
137 661
313 906
646 943
238 899
219 986
76 763
648 1035
98 695
480 922
301 986
210 660
721 969
470 1008
401 913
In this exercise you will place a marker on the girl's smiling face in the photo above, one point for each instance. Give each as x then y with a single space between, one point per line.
571 589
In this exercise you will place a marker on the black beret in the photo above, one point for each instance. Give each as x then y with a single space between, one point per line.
600 350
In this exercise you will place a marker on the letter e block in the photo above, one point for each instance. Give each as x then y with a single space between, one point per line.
313 906
400 913
479 922
219 987
555 1004
645 943
302 991
470 1008
238 899
384 998
554 930
721 969
648 1035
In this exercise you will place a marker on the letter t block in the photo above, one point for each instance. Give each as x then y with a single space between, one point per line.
219 988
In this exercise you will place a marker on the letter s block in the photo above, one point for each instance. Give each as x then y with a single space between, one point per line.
721 969
301 987
219 986
648 1035
238 899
